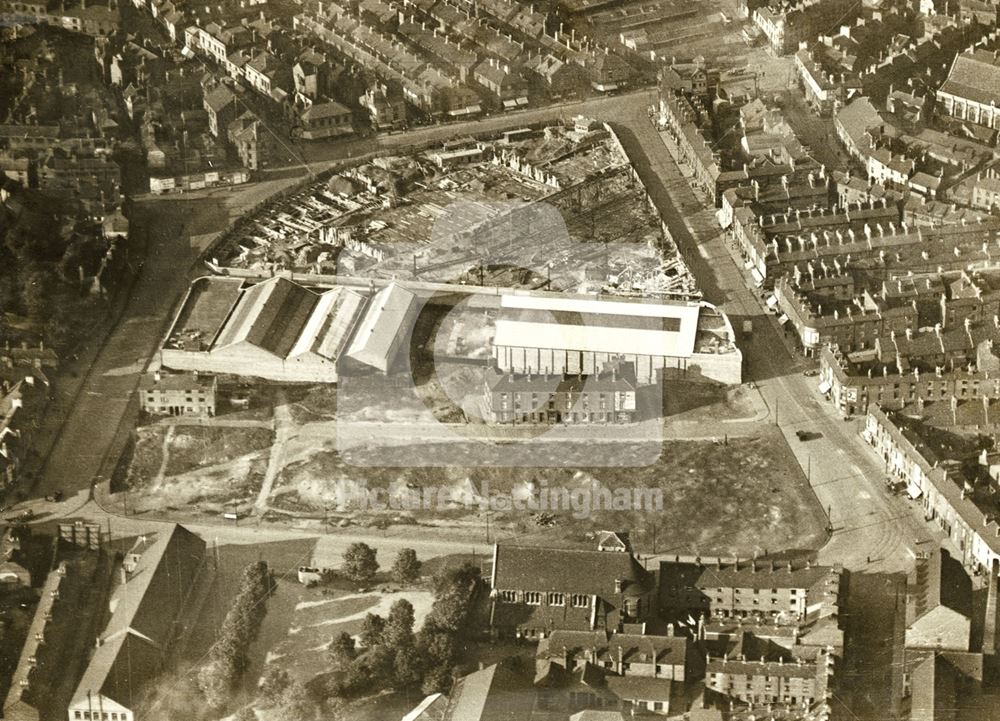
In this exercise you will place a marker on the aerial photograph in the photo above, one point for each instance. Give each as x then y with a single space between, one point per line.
499 360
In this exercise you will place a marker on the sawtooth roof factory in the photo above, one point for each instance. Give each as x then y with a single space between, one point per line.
281 330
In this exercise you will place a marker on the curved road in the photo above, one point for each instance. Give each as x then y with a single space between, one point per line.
845 474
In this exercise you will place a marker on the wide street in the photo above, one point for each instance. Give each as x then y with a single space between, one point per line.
870 529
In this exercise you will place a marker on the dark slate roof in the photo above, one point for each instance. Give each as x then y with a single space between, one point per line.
635 648
569 571
621 380
974 77
743 575
218 98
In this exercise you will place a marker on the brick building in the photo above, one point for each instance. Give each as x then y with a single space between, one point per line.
177 394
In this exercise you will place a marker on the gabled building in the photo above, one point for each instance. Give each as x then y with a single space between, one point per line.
938 604
386 107
158 578
276 329
668 657
972 88
777 592
177 394
221 106
537 591
252 142
608 396
608 72
325 119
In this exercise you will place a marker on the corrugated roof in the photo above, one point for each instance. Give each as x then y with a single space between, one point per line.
270 315
390 315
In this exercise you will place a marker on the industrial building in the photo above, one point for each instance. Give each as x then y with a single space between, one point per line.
386 324
559 333
275 329
283 331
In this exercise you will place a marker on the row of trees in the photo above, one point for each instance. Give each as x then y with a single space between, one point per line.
361 564
227 658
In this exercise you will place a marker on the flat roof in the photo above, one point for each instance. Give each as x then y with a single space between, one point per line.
208 303
602 325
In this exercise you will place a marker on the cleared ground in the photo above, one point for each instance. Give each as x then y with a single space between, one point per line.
176 466
717 497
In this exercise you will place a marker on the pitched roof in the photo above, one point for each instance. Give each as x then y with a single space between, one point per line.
569 570
318 111
634 647
614 377
218 98
389 315
269 315
144 608
731 575
501 692
974 77
856 118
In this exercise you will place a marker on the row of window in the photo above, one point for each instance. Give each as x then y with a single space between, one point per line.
100 715
756 591
534 598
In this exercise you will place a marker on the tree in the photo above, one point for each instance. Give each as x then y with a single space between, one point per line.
359 562
399 624
437 646
214 682
408 669
296 704
274 683
372 630
36 293
343 649
406 568
437 680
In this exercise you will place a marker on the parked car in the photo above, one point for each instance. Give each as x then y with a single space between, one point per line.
811 372
807 435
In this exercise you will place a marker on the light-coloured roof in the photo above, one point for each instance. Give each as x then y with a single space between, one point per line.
597 325
329 327
389 315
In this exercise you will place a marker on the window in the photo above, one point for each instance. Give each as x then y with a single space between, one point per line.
556 599
77 714
508 596
533 598
580 600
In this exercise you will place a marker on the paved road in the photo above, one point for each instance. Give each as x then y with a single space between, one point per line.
844 472
846 476
109 388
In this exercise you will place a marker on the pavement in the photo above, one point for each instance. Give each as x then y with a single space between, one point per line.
871 530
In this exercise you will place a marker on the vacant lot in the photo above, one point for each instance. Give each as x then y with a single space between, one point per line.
174 466
716 498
